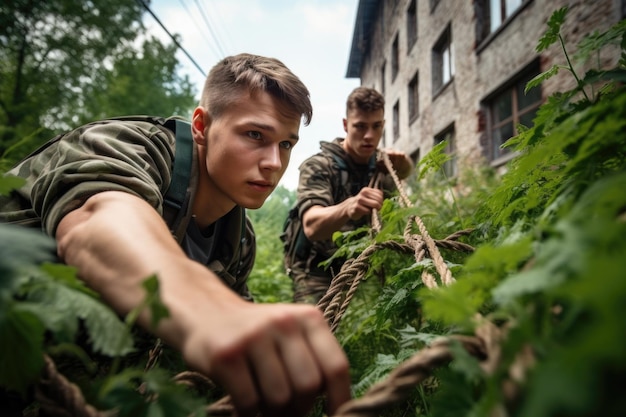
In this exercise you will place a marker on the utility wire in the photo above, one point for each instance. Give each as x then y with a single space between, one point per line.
204 17
218 23
195 22
143 3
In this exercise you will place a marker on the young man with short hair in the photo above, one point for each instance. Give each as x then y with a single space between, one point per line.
334 191
99 190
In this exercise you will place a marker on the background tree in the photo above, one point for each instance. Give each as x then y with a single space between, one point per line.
64 62
141 81
268 281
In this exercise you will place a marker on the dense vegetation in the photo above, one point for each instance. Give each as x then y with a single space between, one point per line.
547 272
66 62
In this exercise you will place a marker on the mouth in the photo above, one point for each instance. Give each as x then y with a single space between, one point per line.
262 185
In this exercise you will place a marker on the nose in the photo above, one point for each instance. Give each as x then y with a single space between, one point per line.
370 133
271 158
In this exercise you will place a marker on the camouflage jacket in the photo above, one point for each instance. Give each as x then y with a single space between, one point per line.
132 154
328 178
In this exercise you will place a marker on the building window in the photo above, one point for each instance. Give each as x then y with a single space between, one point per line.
509 108
449 167
493 14
500 10
411 24
443 61
394 59
396 121
382 78
414 98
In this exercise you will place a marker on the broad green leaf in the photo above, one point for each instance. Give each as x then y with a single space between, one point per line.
554 26
108 334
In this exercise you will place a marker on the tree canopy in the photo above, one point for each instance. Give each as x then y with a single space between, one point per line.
66 62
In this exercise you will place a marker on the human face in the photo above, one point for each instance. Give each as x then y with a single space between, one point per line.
246 151
363 133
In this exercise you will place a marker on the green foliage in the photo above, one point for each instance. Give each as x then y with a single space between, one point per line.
43 306
66 62
166 399
268 282
547 269
49 297
547 272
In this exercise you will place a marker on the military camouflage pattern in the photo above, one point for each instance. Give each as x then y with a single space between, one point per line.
326 182
134 155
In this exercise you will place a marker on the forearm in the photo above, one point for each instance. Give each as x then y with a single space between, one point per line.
321 222
116 241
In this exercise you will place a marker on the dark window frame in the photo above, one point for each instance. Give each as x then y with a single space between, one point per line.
396 121
411 25
413 91
450 168
484 33
443 48
395 58
496 124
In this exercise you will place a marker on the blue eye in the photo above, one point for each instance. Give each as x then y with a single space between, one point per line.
254 134
286 144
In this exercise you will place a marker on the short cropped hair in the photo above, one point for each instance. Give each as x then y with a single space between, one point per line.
365 99
233 75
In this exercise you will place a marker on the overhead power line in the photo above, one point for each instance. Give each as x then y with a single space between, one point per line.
200 31
210 27
143 3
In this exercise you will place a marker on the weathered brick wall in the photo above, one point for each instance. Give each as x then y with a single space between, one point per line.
480 70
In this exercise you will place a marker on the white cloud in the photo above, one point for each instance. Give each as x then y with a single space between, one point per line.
312 38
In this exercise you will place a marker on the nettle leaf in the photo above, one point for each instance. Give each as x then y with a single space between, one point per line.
381 367
538 79
434 160
592 43
452 305
554 26
21 349
108 334
563 253
66 275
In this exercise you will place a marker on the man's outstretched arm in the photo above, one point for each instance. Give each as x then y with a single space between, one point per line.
276 358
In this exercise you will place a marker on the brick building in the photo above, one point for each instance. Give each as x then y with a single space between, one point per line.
456 69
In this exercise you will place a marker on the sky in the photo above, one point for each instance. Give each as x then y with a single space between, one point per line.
312 37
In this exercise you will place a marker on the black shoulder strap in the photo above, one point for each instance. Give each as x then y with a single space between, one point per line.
176 193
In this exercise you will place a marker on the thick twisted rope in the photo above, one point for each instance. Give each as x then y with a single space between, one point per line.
335 302
396 387
58 397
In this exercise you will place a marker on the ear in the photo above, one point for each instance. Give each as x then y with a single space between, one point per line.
345 125
200 122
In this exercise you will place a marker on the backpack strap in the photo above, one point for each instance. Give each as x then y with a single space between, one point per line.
176 200
177 191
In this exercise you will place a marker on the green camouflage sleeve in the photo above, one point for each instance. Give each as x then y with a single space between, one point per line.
315 185
128 156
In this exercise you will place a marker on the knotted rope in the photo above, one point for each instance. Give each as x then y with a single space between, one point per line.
344 285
